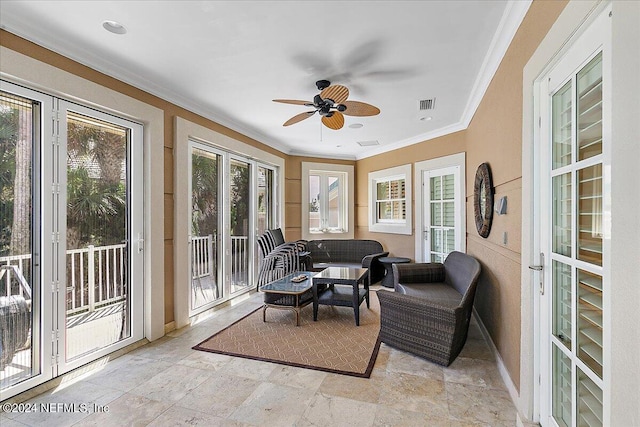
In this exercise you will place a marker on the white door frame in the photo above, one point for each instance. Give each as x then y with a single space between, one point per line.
576 17
49 221
186 131
27 71
219 241
135 234
42 321
583 47
458 160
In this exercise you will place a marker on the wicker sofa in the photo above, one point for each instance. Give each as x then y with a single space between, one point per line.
429 312
348 253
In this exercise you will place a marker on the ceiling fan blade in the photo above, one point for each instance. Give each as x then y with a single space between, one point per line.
293 101
356 108
298 118
335 121
338 93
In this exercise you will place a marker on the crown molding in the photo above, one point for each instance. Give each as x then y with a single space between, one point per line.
456 127
512 17
112 69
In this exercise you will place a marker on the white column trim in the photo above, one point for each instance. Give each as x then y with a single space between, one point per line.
24 70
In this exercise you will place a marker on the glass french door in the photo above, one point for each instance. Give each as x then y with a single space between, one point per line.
266 202
240 218
20 278
440 213
71 258
102 230
233 199
206 178
573 195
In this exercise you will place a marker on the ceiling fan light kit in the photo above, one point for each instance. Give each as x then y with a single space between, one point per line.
331 103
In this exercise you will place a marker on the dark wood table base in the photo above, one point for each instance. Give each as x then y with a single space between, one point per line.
343 289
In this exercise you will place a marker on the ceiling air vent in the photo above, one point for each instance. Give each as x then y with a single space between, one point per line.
426 104
368 143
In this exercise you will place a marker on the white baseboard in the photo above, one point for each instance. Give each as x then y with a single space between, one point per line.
502 369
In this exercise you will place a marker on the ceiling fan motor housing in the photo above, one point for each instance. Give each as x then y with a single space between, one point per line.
323 84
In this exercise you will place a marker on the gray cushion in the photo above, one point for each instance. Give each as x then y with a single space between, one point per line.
439 293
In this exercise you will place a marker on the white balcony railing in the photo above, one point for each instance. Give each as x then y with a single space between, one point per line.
95 277
203 256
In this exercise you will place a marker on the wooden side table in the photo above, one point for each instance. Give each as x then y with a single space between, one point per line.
387 262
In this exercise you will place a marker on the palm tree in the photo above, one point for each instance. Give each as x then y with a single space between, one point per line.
93 209
96 194
21 228
15 175
8 137
204 197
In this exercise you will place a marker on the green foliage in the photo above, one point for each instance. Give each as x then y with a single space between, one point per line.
8 140
204 195
96 209
96 201
239 200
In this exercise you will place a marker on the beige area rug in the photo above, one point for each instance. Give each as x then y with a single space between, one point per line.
334 343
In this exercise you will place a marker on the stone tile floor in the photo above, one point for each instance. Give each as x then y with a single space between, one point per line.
165 383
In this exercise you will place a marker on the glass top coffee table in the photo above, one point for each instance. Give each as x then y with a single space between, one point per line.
342 289
288 294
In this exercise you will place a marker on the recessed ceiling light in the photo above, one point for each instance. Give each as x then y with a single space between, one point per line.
114 27
355 125
426 119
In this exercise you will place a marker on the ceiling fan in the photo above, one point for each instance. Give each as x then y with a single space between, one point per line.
331 103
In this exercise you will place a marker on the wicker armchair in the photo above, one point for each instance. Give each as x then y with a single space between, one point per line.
429 312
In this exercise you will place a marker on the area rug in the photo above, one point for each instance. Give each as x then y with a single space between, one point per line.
333 343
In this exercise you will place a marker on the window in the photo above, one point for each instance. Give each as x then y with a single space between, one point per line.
440 207
327 196
390 200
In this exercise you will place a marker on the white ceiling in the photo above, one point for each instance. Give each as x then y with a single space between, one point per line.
227 60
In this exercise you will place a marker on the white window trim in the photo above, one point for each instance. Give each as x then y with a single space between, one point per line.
348 200
393 226
440 163
185 131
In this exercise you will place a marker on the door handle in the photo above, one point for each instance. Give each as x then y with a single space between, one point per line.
140 242
540 268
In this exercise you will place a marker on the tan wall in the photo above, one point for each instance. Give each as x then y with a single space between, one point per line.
25 47
398 244
494 136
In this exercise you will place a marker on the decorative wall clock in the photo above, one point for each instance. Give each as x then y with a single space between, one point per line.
483 200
